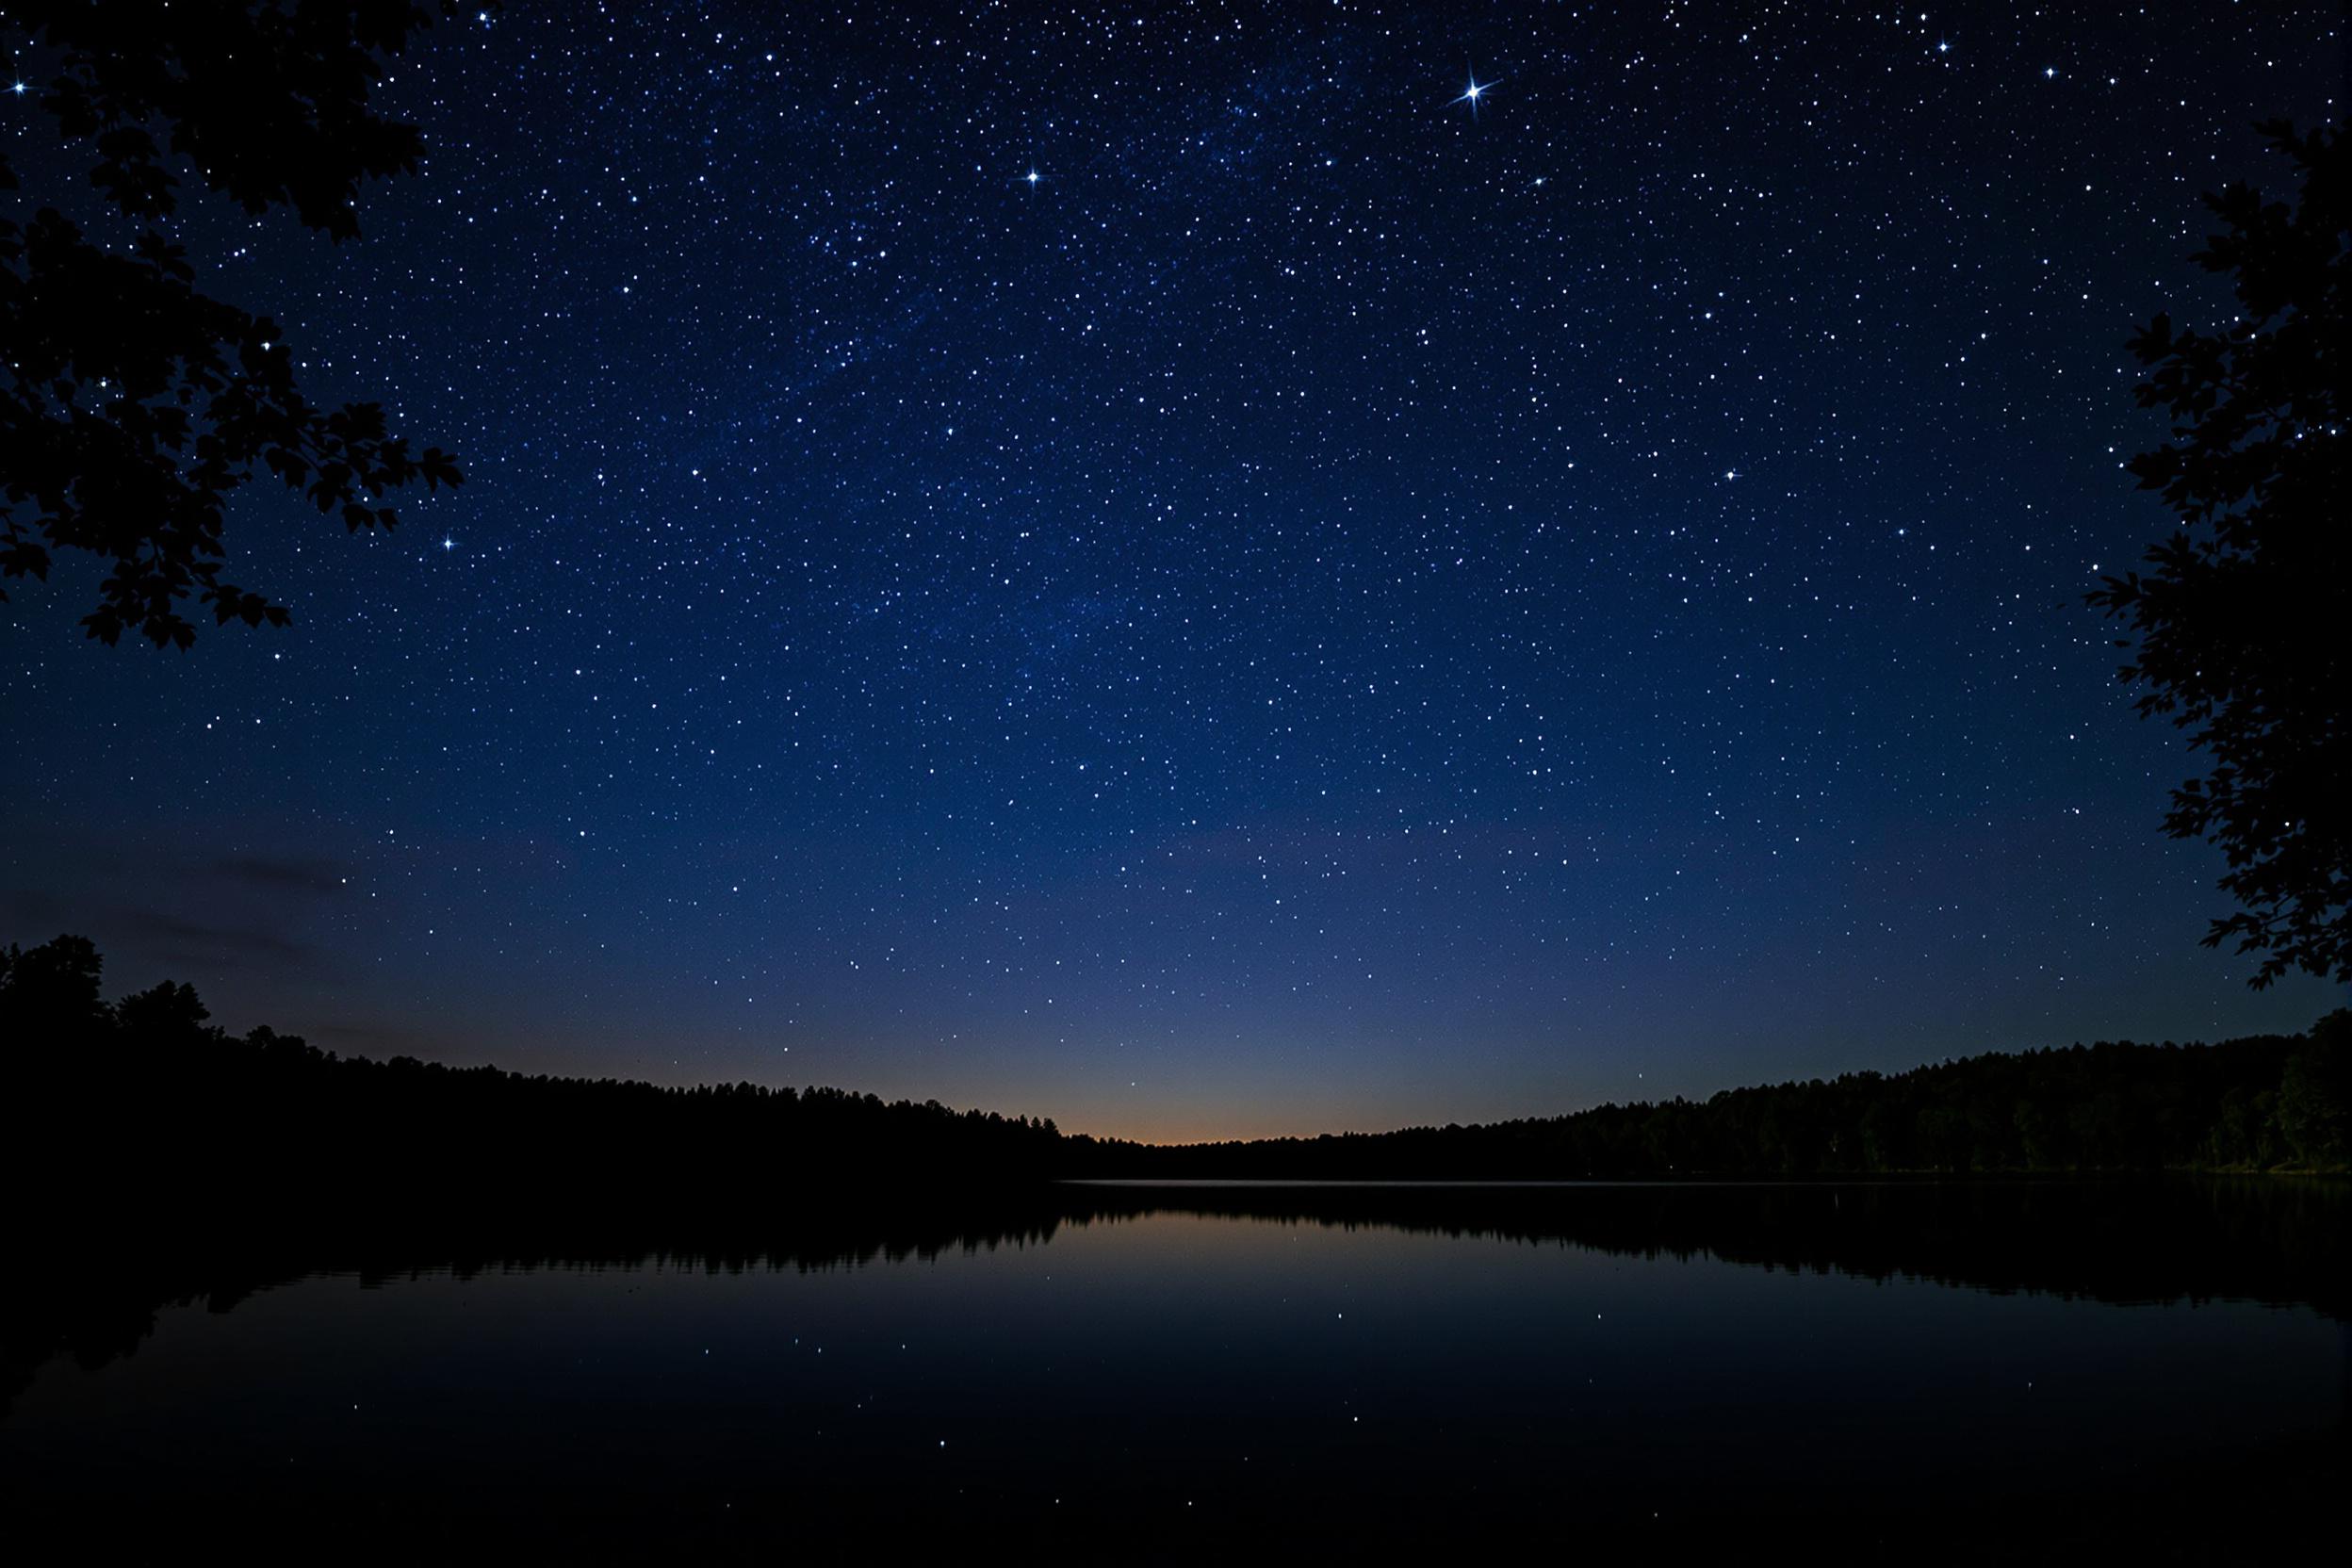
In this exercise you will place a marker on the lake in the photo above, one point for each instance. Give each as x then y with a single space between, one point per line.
1114 1371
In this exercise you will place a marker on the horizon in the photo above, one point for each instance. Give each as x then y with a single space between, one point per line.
1176 576
1763 1080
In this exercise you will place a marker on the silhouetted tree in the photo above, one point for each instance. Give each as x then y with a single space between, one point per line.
164 1017
2239 626
132 406
2314 1104
49 997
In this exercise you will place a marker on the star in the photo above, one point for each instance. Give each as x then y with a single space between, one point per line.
1477 92
1031 178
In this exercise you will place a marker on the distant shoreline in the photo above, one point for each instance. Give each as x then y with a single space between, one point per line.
146 1092
1865 1179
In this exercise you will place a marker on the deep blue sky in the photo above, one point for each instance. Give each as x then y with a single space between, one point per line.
1330 605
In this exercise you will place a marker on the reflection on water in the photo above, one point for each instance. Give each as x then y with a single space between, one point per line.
1147 1371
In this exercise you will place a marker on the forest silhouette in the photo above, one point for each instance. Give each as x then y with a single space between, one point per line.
2260 1102
146 1092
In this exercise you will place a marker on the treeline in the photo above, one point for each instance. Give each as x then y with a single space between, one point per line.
2257 1103
147 1090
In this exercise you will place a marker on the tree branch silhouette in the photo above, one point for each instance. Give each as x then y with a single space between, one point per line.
2238 627
132 406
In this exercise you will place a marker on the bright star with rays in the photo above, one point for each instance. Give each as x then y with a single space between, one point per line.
1476 93
1031 178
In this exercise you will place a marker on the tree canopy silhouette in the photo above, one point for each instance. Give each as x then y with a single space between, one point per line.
147 1084
133 407
2238 627
2255 1104
144 1091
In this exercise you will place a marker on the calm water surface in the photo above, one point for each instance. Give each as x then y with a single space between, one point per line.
1140 1373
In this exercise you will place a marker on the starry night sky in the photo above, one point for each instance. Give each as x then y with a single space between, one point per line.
1163 567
